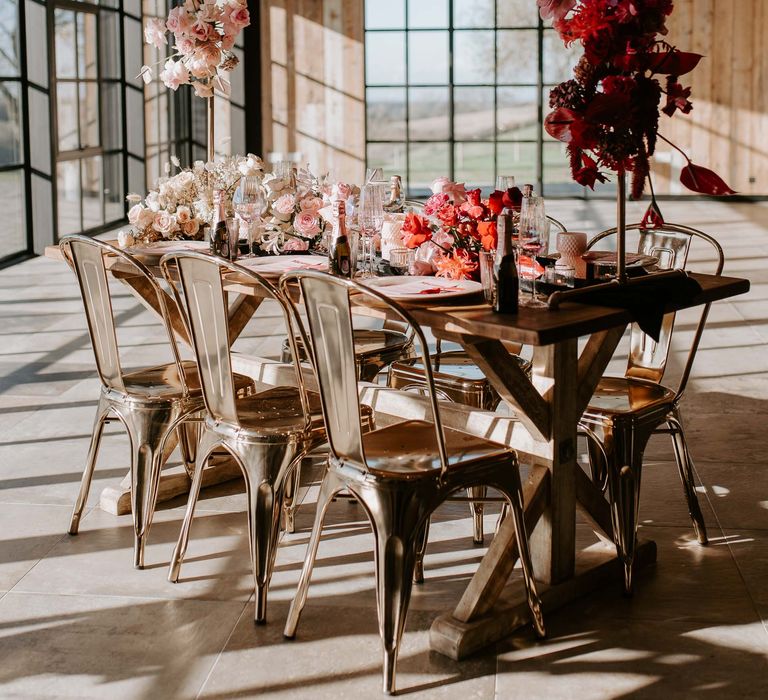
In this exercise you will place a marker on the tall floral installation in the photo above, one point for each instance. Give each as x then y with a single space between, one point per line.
204 34
628 76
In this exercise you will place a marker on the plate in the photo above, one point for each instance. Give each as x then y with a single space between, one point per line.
160 248
423 289
278 264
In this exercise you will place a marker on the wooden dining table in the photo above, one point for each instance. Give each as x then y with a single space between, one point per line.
546 409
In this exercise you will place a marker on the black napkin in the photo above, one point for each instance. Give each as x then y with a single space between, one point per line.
646 300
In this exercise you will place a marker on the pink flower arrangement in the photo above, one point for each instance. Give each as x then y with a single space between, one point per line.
204 32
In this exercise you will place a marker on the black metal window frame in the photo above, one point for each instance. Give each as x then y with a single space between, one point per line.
94 8
22 81
540 87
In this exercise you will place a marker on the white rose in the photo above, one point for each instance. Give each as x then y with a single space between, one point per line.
145 219
164 223
153 201
133 214
125 238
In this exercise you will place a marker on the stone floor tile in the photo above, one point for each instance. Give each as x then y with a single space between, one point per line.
67 646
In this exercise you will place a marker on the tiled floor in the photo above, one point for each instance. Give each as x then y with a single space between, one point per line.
76 620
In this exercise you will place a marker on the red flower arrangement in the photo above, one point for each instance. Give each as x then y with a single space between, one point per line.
608 113
458 224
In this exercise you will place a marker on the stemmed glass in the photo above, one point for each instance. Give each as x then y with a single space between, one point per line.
250 203
533 241
504 182
370 218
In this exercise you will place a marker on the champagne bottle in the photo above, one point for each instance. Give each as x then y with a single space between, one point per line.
395 203
506 284
219 238
339 254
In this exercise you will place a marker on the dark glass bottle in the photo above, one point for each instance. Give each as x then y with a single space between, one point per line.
219 238
339 254
506 284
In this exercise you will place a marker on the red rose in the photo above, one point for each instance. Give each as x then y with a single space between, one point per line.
448 215
496 202
415 230
488 234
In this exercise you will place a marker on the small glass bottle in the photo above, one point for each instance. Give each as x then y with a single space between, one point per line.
506 285
339 254
396 199
219 237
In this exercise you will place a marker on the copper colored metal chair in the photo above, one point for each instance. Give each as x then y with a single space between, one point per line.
266 433
625 411
400 473
151 403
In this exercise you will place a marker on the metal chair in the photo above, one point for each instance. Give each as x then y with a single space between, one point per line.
375 349
400 473
625 411
151 403
266 433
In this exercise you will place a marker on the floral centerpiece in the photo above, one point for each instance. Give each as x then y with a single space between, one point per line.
204 33
456 225
179 205
299 209
609 112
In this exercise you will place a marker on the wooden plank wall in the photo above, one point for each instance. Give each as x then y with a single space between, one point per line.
313 88
313 85
728 127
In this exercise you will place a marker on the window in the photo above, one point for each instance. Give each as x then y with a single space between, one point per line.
460 88
88 117
13 236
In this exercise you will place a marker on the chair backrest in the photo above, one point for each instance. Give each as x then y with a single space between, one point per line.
329 315
558 226
87 257
198 284
670 244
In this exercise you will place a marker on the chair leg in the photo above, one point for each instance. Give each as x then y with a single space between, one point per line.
421 549
290 497
598 464
90 465
189 436
204 450
148 430
397 522
685 468
330 486
476 508
625 462
265 467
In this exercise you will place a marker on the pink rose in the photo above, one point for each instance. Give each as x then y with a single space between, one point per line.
438 184
154 33
201 30
183 214
191 227
239 17
184 45
296 244
313 204
306 224
285 204
228 40
163 223
211 54
178 20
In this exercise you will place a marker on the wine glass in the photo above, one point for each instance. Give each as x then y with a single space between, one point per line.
370 218
533 241
250 203
505 182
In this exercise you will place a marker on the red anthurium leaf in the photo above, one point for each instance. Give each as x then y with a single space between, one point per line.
558 123
703 180
674 62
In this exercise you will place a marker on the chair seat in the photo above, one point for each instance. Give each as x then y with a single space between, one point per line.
163 381
409 449
623 395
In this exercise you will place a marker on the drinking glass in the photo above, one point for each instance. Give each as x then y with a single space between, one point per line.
398 260
373 175
370 218
250 203
487 258
505 182
533 241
